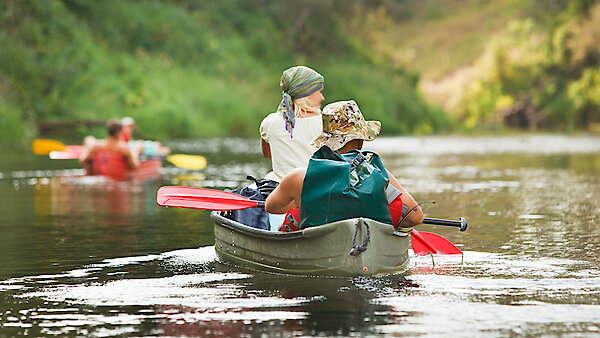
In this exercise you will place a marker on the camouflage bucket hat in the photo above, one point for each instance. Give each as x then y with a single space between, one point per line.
343 122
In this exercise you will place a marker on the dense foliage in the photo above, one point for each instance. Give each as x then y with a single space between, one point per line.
539 75
186 68
195 68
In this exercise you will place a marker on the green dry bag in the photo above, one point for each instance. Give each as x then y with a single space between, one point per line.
343 186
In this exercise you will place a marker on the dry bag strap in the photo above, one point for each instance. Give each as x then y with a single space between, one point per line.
358 249
391 193
357 161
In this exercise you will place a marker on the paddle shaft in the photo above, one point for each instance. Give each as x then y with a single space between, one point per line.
462 224
59 151
202 198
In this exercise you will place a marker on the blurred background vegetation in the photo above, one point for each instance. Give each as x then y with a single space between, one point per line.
195 68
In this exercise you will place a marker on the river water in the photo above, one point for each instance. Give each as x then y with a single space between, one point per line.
88 256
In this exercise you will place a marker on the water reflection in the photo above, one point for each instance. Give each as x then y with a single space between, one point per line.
206 297
82 256
211 295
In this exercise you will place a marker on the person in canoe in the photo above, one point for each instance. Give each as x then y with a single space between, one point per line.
128 124
341 181
286 135
147 148
103 157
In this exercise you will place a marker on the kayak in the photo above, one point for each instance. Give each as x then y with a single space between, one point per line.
333 249
113 165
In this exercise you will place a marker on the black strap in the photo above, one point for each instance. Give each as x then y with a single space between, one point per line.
263 186
357 161
357 250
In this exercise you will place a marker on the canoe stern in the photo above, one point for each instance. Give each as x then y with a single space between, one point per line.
321 250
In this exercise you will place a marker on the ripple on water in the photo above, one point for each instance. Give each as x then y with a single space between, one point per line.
182 298
509 293
443 145
476 295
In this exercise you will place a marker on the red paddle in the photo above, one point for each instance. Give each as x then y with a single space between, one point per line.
423 243
72 152
201 198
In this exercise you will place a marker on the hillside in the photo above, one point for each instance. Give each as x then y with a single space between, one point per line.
192 68
497 64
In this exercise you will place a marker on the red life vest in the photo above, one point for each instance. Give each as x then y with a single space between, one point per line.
396 210
110 163
291 221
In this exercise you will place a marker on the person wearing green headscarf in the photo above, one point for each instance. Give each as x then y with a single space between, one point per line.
341 181
287 134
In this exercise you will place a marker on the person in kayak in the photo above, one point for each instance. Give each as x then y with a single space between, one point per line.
112 147
128 124
147 148
343 182
286 135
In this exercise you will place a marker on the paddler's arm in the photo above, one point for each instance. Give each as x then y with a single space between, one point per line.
287 194
265 147
88 144
85 155
88 151
415 217
263 130
85 158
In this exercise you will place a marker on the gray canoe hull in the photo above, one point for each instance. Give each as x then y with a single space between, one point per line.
322 250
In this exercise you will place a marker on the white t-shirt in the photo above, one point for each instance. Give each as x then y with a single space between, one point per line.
289 153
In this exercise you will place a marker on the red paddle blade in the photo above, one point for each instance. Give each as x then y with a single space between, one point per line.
71 152
201 198
425 243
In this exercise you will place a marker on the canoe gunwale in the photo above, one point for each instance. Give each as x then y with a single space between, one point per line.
218 218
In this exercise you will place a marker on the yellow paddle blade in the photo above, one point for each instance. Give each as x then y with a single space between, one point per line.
195 162
45 146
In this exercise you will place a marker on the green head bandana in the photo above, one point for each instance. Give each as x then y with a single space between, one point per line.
343 122
297 82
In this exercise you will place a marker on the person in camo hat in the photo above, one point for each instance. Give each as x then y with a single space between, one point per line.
343 122
309 189
286 135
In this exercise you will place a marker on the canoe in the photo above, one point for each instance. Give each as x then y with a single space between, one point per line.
148 168
111 164
317 251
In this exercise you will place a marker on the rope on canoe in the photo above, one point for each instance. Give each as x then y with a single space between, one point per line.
358 249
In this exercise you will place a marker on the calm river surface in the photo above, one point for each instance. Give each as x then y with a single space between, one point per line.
87 256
